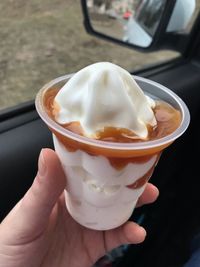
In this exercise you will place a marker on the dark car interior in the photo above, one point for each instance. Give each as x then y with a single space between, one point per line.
173 220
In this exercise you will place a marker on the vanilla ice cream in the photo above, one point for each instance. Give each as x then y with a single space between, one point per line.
104 95
98 195
106 178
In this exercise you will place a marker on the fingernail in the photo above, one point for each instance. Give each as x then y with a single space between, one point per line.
141 235
41 164
143 230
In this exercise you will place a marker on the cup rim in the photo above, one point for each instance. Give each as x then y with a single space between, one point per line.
143 145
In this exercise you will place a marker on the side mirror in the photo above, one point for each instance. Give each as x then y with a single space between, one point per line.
145 25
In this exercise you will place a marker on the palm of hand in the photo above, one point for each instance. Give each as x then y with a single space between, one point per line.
39 233
63 242
70 244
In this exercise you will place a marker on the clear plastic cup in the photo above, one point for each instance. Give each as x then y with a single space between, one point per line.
105 179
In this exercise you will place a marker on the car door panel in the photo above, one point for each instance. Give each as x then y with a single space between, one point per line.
20 147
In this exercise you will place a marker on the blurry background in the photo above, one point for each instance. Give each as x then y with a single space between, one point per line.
41 40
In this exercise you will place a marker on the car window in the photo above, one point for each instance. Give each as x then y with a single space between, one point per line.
148 14
41 40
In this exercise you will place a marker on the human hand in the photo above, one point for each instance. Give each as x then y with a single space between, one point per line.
39 232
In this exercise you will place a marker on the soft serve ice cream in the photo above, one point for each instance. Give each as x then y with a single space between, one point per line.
104 95
99 118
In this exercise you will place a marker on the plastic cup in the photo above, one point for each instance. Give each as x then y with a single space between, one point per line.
105 179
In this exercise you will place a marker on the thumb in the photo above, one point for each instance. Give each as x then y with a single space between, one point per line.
30 216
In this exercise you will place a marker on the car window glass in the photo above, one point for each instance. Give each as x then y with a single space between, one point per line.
41 40
194 16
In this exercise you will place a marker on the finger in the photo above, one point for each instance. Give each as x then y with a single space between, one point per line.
129 233
47 187
31 214
149 195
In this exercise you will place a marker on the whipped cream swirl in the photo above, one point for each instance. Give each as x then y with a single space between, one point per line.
105 95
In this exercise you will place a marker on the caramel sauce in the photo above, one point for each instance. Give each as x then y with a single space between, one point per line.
168 119
74 127
120 135
50 106
141 181
120 163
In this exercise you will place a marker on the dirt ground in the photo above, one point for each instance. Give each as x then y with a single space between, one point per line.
41 40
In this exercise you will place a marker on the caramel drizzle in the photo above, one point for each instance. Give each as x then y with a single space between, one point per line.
143 180
168 119
120 163
48 100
